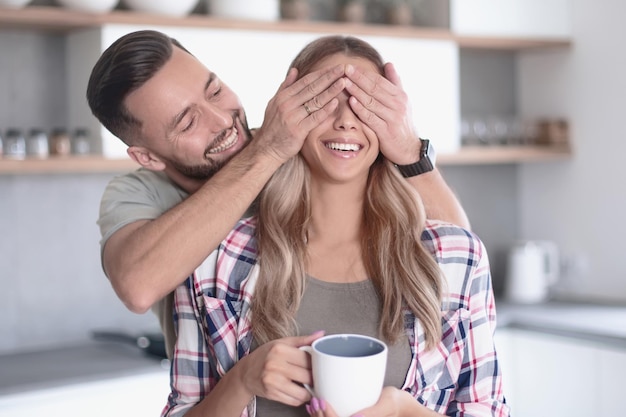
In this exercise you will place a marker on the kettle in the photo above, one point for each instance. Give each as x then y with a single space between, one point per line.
532 268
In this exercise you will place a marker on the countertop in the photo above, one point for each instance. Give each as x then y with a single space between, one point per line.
101 360
91 361
601 323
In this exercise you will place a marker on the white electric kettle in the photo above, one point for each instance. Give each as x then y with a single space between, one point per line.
533 267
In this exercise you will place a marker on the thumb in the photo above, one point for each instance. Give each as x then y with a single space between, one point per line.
307 339
392 75
290 78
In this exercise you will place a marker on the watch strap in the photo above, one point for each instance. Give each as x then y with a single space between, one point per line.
420 167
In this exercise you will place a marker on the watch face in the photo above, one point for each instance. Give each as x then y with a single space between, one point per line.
432 155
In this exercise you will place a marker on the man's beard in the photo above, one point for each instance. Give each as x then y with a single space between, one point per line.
205 171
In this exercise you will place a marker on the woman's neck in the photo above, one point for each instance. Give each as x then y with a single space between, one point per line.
334 245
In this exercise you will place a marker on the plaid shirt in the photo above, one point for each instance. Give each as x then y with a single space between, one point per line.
460 377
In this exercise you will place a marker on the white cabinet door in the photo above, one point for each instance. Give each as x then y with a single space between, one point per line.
611 382
511 18
553 376
505 341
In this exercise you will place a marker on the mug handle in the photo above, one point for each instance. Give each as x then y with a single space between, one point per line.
309 350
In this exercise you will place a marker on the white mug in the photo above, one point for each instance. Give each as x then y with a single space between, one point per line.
348 371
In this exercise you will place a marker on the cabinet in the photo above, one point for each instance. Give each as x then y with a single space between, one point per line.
550 375
83 30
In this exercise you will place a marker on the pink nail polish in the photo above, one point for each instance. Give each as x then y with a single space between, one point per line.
315 405
322 404
308 409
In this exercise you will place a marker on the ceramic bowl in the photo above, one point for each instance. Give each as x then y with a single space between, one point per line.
90 6
245 9
16 4
177 8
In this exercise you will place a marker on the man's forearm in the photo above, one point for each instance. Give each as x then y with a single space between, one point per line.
147 262
439 200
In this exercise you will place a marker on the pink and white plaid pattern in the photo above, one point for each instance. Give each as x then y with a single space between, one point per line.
460 377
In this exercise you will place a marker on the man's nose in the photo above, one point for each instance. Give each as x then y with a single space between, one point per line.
217 118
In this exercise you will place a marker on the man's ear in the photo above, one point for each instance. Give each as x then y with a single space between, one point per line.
145 158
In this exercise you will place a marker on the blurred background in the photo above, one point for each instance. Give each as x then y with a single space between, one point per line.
522 99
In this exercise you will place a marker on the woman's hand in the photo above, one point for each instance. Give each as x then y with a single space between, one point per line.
276 369
393 402
382 104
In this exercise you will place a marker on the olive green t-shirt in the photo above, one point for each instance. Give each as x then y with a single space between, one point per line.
342 308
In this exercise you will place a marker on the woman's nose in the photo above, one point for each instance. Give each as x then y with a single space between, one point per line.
345 118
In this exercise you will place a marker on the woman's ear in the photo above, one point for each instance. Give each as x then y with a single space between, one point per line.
145 158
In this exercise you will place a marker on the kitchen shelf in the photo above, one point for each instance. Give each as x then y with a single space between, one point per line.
59 19
471 155
66 165
505 154
62 20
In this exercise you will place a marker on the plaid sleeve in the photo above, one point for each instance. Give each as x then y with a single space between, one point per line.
461 376
211 320
192 372
479 387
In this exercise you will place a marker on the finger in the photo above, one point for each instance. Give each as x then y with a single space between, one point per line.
367 116
283 390
392 75
384 104
316 82
321 100
290 78
371 82
314 119
298 341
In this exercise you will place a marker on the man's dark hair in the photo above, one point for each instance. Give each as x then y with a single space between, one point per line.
122 68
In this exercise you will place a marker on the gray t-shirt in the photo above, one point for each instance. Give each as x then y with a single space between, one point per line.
141 195
342 308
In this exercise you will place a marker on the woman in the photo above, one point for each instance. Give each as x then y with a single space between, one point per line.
343 245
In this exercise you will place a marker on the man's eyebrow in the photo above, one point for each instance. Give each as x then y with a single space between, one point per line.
212 78
177 119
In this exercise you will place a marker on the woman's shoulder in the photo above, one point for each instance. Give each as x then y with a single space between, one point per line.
444 231
452 243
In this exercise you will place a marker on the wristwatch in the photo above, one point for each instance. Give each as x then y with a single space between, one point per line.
425 164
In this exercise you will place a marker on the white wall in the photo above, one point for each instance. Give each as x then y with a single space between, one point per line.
579 203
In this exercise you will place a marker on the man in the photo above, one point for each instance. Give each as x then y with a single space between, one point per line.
201 170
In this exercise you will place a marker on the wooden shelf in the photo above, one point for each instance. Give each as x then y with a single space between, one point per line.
478 155
50 18
62 20
66 165
509 154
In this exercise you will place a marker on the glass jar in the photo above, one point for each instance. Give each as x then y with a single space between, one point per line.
60 142
81 144
37 144
14 144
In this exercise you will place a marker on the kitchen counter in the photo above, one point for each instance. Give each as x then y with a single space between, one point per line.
605 324
97 379
96 360
101 361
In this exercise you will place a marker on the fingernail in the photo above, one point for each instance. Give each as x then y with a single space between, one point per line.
322 404
315 405
349 69
308 409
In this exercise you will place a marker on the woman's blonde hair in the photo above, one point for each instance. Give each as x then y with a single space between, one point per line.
403 272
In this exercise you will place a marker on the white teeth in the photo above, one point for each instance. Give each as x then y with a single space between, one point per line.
227 143
353 147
